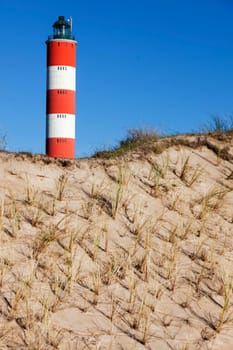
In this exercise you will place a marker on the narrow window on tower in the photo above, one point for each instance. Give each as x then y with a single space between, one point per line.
59 140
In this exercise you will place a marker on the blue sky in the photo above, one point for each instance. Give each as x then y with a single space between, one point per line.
163 64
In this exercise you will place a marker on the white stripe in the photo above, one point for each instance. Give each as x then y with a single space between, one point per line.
61 77
60 125
65 40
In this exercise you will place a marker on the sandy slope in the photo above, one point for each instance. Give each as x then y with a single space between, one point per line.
130 253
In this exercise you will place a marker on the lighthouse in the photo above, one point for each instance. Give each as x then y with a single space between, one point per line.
61 90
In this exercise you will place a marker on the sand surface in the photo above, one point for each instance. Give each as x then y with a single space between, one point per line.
127 253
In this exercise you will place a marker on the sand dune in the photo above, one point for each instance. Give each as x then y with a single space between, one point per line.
133 252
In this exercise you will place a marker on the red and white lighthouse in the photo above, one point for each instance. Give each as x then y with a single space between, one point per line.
61 90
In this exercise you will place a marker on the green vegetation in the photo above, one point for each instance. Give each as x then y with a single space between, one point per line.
136 139
219 124
3 142
147 141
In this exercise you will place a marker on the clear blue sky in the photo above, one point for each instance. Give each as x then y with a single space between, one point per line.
166 64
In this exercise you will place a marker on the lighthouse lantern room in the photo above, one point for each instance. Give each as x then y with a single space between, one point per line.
61 90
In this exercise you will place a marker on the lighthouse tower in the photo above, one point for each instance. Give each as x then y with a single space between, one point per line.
61 90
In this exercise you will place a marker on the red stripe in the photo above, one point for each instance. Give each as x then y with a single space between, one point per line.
60 101
60 148
61 53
